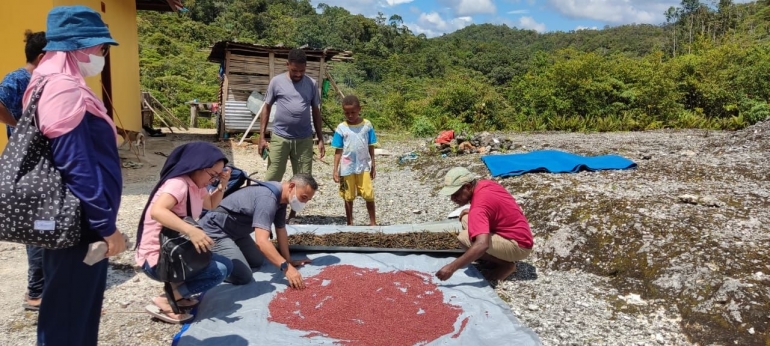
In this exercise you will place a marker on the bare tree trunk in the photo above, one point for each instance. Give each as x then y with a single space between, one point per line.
689 48
674 43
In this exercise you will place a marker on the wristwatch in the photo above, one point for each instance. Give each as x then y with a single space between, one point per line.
284 266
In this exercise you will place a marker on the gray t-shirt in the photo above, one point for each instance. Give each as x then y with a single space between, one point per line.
250 207
293 102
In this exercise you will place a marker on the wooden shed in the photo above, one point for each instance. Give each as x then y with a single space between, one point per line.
250 67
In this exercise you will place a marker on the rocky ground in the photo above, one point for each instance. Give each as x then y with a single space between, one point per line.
674 252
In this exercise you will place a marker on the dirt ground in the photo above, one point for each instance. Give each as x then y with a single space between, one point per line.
621 257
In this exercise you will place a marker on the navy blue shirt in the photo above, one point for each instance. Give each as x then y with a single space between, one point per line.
12 90
88 159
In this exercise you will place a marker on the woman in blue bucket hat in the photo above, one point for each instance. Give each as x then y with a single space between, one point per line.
83 139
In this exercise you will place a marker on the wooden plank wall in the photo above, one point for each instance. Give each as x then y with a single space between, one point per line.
248 73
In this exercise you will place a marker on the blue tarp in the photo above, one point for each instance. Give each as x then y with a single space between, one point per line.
552 161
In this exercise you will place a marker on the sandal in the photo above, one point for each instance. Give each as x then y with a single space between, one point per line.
185 303
131 164
31 304
156 312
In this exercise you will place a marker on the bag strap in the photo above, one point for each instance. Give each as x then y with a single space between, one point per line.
189 208
31 110
272 188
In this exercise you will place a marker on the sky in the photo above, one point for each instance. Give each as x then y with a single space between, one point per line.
437 17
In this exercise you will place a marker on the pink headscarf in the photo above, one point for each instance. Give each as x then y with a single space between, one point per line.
66 97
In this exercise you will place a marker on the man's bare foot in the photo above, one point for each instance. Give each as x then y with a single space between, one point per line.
486 273
503 271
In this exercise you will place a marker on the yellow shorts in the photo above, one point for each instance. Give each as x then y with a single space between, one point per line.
355 185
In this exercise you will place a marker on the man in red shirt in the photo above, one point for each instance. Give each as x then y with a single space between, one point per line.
494 229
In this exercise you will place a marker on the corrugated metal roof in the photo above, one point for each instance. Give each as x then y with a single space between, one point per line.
238 117
159 5
217 54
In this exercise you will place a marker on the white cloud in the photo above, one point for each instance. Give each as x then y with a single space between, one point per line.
580 27
529 23
432 24
616 11
612 11
470 7
397 2
518 12
368 8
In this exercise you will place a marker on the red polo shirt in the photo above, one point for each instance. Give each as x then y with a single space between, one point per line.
495 211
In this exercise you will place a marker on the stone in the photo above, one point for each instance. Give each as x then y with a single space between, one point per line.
689 199
709 201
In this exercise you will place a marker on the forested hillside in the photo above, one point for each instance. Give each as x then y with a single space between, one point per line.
706 67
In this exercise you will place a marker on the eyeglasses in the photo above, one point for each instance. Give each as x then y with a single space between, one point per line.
214 176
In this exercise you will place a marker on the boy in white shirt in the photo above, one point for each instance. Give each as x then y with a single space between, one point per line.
354 141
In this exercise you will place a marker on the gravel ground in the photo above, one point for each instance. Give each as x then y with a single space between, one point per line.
620 258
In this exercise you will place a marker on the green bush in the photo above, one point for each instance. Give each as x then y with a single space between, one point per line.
423 127
758 112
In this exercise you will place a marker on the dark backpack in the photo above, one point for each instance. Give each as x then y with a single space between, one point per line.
238 180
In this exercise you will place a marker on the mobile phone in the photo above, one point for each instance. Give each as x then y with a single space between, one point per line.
265 153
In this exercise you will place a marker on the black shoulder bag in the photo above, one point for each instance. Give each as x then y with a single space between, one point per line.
178 258
36 207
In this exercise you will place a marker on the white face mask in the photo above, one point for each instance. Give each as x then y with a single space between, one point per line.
294 202
93 67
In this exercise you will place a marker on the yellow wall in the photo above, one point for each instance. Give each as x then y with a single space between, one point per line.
120 15
15 18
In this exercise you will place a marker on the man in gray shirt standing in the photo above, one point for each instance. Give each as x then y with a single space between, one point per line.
256 208
296 96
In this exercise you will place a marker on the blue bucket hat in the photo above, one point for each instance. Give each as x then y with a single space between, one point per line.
75 27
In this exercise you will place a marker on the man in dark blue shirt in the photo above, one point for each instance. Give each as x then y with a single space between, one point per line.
11 93
15 83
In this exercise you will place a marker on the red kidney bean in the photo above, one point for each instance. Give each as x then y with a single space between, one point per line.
363 306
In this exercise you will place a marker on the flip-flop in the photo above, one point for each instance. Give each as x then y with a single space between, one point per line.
185 303
131 164
156 312
30 307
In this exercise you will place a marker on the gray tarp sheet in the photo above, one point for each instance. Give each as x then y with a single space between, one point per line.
437 226
238 315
